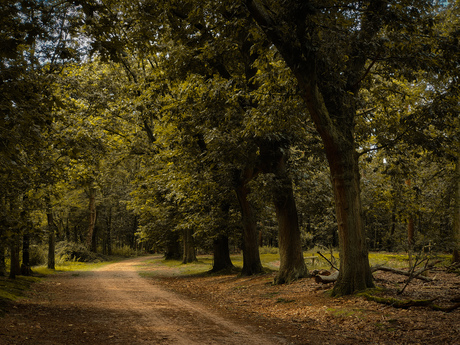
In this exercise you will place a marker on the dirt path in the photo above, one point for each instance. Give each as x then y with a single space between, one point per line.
114 305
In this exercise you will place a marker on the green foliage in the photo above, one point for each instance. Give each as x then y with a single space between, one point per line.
176 99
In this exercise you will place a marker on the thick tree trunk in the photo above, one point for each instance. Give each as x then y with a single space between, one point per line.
292 263
355 273
90 240
189 247
334 122
221 254
251 257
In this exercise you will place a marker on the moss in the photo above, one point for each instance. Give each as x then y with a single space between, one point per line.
13 289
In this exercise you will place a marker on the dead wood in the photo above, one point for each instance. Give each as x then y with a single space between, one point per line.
396 303
325 277
416 274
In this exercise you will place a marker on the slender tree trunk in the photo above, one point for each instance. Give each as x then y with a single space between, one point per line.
251 257
25 266
2 259
51 240
92 217
189 254
15 268
410 232
456 222
109 232
221 254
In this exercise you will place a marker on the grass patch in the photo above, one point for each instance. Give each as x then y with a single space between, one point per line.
70 266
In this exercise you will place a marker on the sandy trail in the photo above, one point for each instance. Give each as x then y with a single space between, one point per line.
114 305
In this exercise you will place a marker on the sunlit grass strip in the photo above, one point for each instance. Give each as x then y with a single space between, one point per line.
70 266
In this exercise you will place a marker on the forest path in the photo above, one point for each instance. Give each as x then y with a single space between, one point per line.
114 305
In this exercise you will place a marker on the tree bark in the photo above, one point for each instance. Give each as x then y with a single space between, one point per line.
456 222
2 257
25 266
354 272
221 254
108 244
90 240
51 239
251 257
15 268
189 254
292 263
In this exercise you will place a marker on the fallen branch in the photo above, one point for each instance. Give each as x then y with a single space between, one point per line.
446 309
396 303
416 274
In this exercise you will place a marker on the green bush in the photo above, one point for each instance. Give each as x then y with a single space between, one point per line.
125 251
38 255
69 251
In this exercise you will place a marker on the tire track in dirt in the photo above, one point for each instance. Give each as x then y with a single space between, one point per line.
114 305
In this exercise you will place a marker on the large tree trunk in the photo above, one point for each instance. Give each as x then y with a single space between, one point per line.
221 254
355 273
251 257
292 263
189 247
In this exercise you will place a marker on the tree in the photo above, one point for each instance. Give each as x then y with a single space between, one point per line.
331 48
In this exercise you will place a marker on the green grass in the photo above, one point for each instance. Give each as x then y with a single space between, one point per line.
270 261
69 266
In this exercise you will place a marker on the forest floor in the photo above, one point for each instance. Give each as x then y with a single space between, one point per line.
140 301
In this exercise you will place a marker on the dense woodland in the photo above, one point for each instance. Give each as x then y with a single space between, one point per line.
190 127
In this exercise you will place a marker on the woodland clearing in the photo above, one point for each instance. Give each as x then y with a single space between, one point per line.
148 300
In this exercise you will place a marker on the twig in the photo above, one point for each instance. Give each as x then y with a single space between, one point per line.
330 263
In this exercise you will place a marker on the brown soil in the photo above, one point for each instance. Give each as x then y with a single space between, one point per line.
114 305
